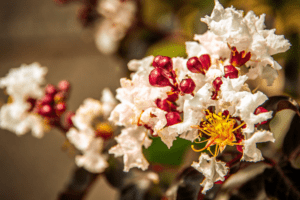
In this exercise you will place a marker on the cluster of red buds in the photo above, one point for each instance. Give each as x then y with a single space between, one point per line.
164 75
53 104
203 63
87 14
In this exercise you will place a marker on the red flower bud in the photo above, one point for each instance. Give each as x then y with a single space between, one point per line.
47 99
60 97
68 119
173 118
193 64
50 89
172 96
238 59
231 72
60 108
158 78
64 85
46 110
165 105
205 61
163 62
187 86
217 83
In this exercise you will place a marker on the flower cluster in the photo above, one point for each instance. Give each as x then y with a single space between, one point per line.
30 106
203 98
92 129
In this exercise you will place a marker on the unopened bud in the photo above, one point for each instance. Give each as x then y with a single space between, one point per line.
187 86
50 89
46 110
163 62
205 61
64 85
194 65
47 99
173 118
231 72
217 83
60 108
157 78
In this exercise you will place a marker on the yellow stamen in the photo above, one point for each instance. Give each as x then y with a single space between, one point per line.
221 132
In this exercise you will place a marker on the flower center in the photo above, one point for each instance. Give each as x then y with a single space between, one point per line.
221 130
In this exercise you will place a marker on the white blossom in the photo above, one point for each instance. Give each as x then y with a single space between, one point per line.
22 83
130 143
83 136
247 33
212 169
118 17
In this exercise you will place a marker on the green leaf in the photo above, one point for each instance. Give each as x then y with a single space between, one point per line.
158 152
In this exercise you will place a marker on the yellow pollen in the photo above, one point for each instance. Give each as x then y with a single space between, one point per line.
220 130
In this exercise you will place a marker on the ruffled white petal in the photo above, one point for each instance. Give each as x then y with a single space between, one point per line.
130 143
250 152
212 169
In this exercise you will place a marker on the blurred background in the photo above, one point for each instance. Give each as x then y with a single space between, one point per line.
61 34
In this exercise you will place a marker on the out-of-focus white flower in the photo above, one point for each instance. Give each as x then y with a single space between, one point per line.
91 159
84 137
15 118
212 169
108 102
246 34
86 113
118 17
130 143
22 83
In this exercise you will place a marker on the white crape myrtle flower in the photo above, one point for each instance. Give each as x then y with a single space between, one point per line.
130 143
212 169
209 43
137 95
246 34
118 17
22 83
83 137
